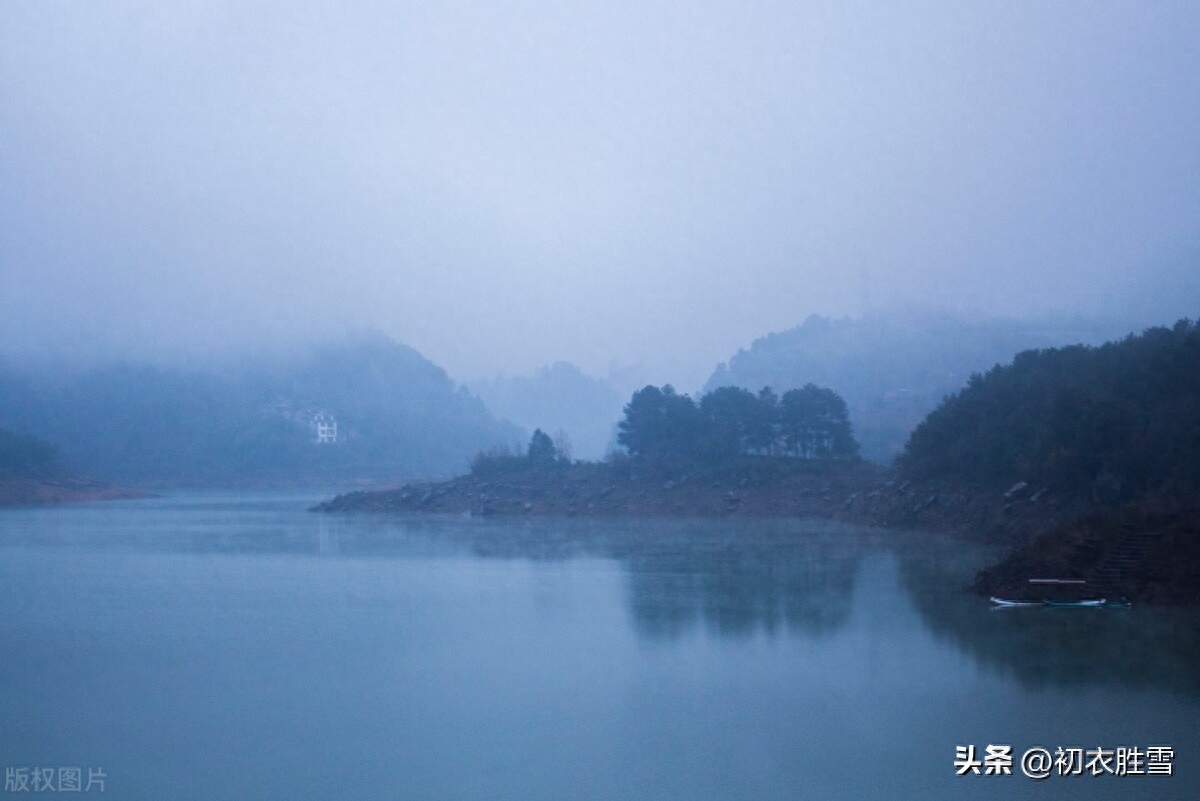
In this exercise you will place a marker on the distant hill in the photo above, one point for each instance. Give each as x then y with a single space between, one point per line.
558 397
893 368
1115 423
386 411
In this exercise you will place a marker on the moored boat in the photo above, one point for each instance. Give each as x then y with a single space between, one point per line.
1010 602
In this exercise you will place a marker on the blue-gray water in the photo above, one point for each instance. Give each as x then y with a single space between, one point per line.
236 646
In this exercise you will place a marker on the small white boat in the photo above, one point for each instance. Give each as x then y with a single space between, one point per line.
1007 602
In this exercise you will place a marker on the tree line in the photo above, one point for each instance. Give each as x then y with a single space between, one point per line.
1121 420
807 423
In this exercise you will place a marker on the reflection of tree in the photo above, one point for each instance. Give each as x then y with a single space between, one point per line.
737 579
1045 647
733 578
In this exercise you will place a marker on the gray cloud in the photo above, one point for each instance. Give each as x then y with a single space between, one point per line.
503 185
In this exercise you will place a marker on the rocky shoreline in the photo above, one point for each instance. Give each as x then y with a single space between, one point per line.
1118 550
858 492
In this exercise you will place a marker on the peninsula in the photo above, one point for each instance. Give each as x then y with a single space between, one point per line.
1085 460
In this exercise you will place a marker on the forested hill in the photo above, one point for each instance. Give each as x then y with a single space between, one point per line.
1119 422
32 474
22 456
893 368
389 413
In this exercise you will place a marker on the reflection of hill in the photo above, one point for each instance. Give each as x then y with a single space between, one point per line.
1047 647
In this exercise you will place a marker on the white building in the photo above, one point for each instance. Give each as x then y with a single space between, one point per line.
326 427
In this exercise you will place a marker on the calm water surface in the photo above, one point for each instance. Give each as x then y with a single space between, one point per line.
237 646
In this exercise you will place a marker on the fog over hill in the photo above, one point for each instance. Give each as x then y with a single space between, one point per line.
894 367
558 397
364 409
502 185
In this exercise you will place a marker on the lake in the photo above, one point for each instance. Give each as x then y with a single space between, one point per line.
208 646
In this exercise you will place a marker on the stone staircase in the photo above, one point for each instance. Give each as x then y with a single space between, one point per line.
1110 578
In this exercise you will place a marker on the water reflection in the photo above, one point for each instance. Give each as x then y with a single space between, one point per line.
188 645
730 578
1052 647
743 582
725 578
736 578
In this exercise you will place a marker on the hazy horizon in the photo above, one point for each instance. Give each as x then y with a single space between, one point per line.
607 184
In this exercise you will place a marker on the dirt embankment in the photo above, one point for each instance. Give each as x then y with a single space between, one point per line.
37 492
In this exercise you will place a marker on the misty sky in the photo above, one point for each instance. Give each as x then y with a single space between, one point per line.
502 185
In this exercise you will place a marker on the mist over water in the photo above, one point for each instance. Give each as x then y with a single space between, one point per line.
210 645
